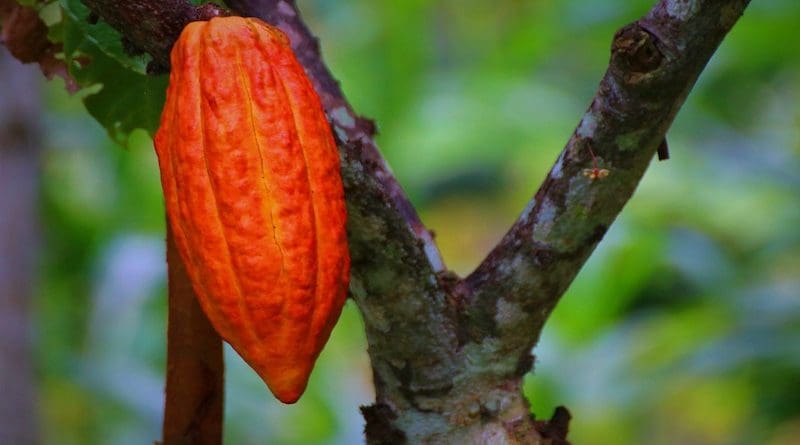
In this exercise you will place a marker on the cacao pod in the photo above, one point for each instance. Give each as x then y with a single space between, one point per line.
253 193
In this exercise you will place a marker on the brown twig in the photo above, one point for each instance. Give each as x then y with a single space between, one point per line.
195 387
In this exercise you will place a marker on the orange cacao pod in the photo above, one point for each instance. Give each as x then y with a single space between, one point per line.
253 193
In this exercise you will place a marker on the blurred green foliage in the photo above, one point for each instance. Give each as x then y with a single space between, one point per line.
683 328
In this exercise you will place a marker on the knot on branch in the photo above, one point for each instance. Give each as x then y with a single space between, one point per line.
208 11
555 430
635 53
379 428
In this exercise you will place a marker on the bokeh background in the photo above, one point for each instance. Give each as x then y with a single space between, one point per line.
683 328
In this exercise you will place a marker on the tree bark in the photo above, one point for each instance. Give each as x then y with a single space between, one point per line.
20 145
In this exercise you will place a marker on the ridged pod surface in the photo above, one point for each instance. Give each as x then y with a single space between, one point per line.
253 193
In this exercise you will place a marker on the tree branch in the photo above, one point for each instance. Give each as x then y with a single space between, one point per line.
195 369
151 26
655 62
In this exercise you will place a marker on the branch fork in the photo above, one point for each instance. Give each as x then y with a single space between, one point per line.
448 354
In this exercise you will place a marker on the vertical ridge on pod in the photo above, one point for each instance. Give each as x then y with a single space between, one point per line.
303 105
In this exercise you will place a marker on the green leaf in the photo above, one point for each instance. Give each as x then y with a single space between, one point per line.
100 34
126 98
127 101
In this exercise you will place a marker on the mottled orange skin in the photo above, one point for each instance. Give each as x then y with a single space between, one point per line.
253 192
